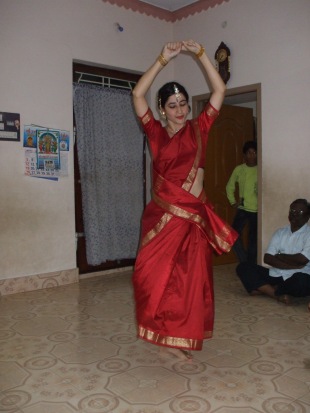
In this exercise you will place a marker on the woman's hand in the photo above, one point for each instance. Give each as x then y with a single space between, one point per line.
171 50
191 46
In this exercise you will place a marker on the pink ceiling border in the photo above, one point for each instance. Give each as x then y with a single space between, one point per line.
169 16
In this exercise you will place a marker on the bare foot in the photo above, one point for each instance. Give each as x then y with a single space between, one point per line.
177 352
268 290
256 292
271 291
284 299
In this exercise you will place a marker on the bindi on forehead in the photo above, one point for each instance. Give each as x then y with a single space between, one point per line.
174 99
177 93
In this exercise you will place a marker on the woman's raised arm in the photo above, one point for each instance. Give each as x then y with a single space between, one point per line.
169 51
217 84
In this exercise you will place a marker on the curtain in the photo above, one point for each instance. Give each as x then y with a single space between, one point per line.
110 155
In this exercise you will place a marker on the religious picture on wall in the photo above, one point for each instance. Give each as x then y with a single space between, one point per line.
64 140
46 152
30 137
48 157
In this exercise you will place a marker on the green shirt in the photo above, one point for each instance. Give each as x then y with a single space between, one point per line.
246 178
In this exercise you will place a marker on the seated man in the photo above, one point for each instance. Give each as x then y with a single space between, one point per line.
288 255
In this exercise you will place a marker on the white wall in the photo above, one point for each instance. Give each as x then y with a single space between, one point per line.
39 39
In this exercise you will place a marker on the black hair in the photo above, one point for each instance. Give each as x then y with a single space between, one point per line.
249 145
303 201
168 90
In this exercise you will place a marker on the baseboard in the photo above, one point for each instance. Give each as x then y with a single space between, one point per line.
106 272
38 281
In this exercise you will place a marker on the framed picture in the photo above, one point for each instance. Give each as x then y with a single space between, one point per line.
9 126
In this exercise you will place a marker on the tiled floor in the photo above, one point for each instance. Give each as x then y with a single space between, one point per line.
74 349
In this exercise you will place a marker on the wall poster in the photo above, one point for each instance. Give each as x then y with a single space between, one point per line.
46 152
9 126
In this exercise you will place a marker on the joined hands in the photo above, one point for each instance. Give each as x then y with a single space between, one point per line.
172 49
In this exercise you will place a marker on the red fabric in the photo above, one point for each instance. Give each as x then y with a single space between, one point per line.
173 281
199 211
173 158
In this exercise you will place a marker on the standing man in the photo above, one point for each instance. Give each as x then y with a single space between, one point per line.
245 176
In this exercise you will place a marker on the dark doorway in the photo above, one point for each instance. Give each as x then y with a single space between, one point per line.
106 78
226 152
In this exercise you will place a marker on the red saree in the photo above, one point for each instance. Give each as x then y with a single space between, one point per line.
173 281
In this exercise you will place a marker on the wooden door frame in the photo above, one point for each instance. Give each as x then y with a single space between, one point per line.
238 94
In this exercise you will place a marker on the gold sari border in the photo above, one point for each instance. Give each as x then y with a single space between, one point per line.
219 239
146 117
177 211
211 111
157 228
188 183
168 341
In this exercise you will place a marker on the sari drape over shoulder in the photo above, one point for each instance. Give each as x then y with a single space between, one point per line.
173 281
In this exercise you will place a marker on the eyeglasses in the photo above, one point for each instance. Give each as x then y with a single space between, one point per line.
296 212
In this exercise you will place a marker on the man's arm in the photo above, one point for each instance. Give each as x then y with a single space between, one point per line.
286 261
231 187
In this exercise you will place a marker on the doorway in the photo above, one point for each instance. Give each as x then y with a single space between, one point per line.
247 97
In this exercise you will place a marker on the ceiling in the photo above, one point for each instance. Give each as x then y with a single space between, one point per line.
170 5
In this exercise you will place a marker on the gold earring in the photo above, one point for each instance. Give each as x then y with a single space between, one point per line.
163 114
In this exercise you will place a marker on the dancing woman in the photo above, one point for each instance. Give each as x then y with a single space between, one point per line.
173 280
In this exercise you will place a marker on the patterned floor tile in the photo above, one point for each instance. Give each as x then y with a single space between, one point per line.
74 349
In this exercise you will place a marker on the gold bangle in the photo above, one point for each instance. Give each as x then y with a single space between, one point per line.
162 60
201 52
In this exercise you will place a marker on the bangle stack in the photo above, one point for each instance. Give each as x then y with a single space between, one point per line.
201 52
162 60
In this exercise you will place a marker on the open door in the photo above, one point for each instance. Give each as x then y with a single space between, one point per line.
233 127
